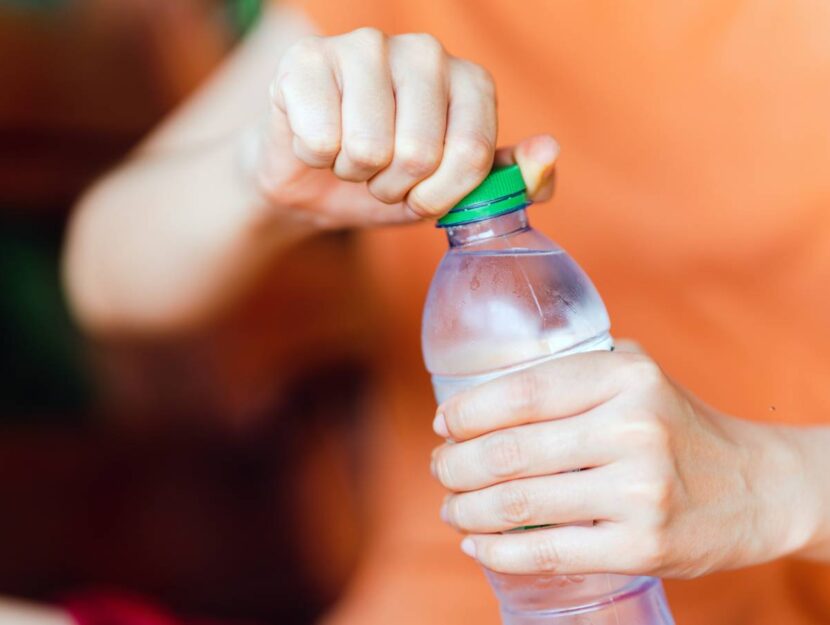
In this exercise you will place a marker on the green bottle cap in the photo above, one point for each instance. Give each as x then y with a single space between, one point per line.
502 191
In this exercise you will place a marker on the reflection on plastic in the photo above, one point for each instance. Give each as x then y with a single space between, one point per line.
505 298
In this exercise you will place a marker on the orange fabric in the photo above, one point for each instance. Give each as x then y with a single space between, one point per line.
694 187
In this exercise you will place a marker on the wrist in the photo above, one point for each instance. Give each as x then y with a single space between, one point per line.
785 511
811 444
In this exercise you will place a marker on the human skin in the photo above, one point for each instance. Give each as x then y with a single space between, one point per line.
22 613
673 487
174 234
294 134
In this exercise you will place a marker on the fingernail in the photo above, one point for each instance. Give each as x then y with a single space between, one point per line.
443 513
439 426
546 149
468 546
539 149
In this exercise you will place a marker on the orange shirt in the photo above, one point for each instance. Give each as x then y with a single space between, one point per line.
694 188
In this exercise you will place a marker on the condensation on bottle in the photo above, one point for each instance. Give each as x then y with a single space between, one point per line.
505 297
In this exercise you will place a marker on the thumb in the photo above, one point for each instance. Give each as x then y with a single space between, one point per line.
629 346
536 157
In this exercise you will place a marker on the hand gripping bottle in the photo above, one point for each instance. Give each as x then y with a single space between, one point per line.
505 297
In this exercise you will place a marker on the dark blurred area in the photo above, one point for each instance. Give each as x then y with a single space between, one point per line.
187 470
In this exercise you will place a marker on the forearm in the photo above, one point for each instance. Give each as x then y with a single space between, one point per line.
787 474
176 232
813 446
162 243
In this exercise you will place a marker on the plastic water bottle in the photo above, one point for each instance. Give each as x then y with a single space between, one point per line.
503 298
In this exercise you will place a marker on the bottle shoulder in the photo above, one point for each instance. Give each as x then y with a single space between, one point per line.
508 300
524 241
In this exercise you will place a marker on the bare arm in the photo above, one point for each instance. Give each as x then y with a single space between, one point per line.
813 446
360 129
170 235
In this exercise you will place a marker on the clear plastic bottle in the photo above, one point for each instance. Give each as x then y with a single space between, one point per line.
503 298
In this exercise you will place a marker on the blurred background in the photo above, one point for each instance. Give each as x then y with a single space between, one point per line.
238 472
157 469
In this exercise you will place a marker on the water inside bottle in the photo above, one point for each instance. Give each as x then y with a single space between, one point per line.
496 307
445 386
510 309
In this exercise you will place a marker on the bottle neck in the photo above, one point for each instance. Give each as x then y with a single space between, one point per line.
476 232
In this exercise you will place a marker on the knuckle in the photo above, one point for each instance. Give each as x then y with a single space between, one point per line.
277 87
368 153
283 86
368 39
484 79
475 152
653 553
479 75
544 554
308 48
417 158
457 513
323 146
459 417
421 51
425 42
444 470
491 554
527 389
384 193
645 431
421 205
495 555
503 454
642 371
662 495
653 494
514 505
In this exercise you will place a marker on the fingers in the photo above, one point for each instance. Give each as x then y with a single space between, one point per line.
368 105
337 96
629 346
536 157
560 388
529 450
567 550
305 91
554 499
399 112
416 124
469 144
420 79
